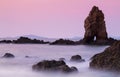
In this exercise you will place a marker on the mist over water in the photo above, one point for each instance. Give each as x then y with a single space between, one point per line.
22 67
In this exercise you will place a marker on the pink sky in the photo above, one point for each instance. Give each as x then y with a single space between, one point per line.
54 18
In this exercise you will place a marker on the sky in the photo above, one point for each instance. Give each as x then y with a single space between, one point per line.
54 18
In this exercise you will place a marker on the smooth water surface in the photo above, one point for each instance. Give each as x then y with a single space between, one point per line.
20 66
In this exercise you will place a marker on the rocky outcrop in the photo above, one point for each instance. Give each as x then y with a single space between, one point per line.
77 58
6 41
54 66
63 42
23 40
95 27
8 55
107 60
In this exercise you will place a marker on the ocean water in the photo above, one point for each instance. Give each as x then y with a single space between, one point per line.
20 66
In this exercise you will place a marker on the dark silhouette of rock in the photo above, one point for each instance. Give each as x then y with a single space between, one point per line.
63 42
110 41
77 58
107 60
62 59
5 41
74 69
95 28
8 55
23 40
54 66
28 57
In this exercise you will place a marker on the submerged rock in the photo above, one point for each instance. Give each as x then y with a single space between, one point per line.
54 66
8 55
27 56
107 60
77 58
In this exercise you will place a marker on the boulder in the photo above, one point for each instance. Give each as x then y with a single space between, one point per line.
107 60
8 55
53 65
77 58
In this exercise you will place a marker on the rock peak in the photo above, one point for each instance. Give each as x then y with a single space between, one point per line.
95 8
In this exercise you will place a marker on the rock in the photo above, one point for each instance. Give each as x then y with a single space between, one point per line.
54 66
107 60
24 40
6 41
8 55
62 59
63 42
95 27
77 58
27 56
74 69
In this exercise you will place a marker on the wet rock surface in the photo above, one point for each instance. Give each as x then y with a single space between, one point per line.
77 58
54 66
107 60
8 55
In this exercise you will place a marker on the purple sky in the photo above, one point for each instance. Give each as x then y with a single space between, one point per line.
54 18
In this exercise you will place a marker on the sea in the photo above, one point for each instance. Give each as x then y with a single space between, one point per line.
20 66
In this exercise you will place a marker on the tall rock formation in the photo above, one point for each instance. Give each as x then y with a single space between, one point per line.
95 27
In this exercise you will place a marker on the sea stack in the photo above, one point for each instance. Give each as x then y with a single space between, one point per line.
95 27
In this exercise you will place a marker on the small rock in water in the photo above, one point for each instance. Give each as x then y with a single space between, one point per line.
54 66
27 56
77 58
8 55
74 69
